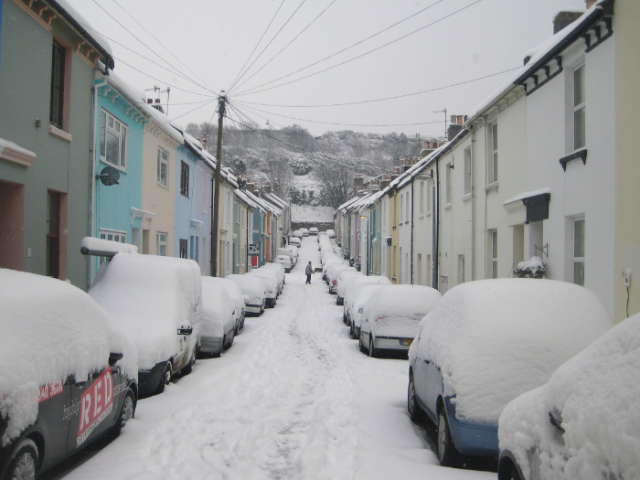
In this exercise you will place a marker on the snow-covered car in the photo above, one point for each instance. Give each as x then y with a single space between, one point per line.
357 308
69 373
331 233
291 252
330 261
269 282
254 291
157 302
278 269
391 317
333 272
305 232
313 231
585 422
353 290
487 342
237 297
294 241
218 318
343 282
285 261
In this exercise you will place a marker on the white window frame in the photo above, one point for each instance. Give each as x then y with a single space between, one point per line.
111 125
401 208
162 242
461 270
422 199
407 214
430 195
492 166
448 191
578 260
579 108
493 253
119 236
467 171
163 161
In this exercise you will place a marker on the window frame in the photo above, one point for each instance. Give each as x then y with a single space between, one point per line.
162 243
579 108
493 252
448 194
160 162
184 178
183 248
578 260
123 139
104 233
467 171
58 84
494 145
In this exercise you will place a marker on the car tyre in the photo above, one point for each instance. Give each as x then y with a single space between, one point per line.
188 368
360 344
415 412
127 412
24 463
372 348
352 333
165 378
448 454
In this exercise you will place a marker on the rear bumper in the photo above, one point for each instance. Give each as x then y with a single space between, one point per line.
391 343
149 380
339 300
472 438
211 345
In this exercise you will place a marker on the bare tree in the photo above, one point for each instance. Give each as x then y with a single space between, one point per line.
336 180
280 174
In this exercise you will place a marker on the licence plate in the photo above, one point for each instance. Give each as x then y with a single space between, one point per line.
406 342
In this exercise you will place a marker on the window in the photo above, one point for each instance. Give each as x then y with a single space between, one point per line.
401 211
421 198
53 234
184 179
579 126
163 167
430 195
578 251
461 272
58 60
493 162
419 273
407 209
429 271
112 236
448 195
493 250
467 171
161 244
184 248
113 141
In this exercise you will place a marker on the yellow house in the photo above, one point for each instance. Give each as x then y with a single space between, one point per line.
627 175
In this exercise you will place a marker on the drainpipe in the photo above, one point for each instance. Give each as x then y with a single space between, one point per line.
436 230
473 207
93 150
412 222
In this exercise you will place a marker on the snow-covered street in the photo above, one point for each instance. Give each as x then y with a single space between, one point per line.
293 399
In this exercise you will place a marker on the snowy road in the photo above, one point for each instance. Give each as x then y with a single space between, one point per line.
292 399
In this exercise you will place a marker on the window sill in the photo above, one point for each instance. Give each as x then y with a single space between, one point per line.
60 133
123 170
581 154
492 186
447 206
186 196
466 198
166 187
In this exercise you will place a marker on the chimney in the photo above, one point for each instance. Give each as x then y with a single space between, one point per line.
358 183
564 19
267 188
251 187
384 184
204 143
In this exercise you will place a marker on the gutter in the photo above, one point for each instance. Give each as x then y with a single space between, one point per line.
435 245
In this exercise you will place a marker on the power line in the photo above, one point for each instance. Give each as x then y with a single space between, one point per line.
339 124
161 44
360 102
254 48
270 42
288 44
347 48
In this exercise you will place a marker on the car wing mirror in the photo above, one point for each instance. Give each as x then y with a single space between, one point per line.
185 330
114 357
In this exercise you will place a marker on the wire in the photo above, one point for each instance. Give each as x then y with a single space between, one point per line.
287 45
341 124
347 48
254 48
162 45
344 162
270 42
360 102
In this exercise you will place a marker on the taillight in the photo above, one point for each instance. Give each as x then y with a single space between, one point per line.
335 282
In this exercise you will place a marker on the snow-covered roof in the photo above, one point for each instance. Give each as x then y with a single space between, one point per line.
262 204
276 199
209 159
245 198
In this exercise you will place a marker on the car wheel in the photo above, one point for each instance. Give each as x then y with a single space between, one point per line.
24 464
186 370
352 333
372 348
127 412
165 378
415 412
508 471
447 453
360 344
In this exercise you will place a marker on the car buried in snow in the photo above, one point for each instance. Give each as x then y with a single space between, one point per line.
285 261
254 292
313 231
485 343
218 318
72 378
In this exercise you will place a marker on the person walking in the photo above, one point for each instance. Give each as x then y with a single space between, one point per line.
308 271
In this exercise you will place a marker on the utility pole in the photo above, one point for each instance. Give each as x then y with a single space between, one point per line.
222 103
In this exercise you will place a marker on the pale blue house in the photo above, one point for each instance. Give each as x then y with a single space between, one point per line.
120 117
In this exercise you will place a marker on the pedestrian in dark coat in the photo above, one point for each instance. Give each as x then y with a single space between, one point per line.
308 270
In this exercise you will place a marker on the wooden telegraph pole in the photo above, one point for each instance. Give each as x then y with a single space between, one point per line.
222 103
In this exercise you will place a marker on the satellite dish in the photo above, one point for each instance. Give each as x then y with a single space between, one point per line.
109 176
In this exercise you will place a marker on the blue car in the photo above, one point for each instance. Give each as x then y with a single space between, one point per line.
487 342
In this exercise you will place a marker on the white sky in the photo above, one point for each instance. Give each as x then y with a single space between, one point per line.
214 39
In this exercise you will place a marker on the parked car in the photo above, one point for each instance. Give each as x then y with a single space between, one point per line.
270 283
305 232
585 422
254 291
313 231
333 272
285 261
357 308
157 302
237 297
218 319
487 342
69 373
354 289
294 241
291 252
391 317
331 233
278 269
343 282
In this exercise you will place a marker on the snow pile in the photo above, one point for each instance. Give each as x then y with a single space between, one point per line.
496 339
49 330
595 394
92 245
398 309
532 268
232 289
150 297
218 309
250 286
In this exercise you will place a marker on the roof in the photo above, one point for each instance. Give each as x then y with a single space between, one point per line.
276 199
245 198
262 204
197 148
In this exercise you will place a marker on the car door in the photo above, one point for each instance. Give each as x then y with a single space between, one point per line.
93 400
434 387
54 413
420 375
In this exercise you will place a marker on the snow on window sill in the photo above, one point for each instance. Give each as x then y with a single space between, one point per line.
60 133
447 206
492 186
466 198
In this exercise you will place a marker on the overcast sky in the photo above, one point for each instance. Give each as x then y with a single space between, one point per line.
456 41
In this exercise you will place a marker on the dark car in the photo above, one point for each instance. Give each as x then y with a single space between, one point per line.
71 374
